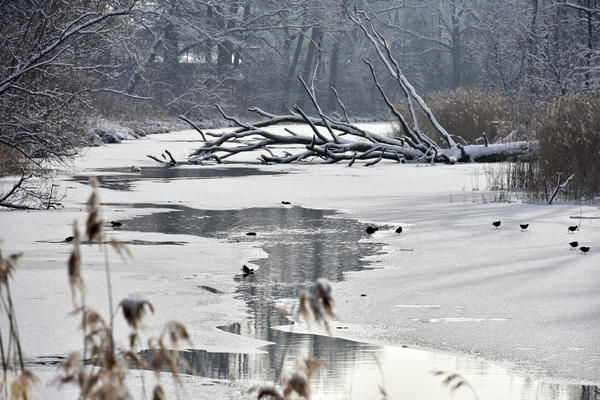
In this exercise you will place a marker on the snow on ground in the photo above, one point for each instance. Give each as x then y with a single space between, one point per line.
450 281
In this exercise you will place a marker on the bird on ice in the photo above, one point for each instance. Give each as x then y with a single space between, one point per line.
524 226
371 229
247 271
116 224
573 245
572 228
399 229
584 249
496 223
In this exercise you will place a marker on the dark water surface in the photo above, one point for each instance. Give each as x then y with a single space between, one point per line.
303 245
123 178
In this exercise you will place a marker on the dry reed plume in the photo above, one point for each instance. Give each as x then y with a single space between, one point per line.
100 372
16 381
316 305
455 381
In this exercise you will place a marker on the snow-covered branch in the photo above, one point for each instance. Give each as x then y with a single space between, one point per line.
332 140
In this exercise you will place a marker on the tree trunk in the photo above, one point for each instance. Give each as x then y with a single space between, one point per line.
171 40
333 72
224 47
287 87
137 73
531 40
208 43
456 51
308 63
590 35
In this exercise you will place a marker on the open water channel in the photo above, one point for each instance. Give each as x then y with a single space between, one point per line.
302 245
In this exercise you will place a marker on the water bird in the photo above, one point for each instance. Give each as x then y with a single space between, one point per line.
247 271
573 245
116 224
496 223
399 229
251 234
371 229
584 249
572 228
286 202
524 226
69 239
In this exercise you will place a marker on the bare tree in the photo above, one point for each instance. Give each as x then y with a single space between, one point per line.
50 63
445 26
55 59
587 14
340 140
500 45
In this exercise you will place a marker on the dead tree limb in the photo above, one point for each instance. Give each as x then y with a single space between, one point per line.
25 196
332 140
186 119
169 163
15 187
339 101
560 186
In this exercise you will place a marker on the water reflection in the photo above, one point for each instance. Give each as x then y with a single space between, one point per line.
123 179
302 245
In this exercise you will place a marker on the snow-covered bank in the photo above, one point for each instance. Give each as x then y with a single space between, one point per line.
450 281
112 131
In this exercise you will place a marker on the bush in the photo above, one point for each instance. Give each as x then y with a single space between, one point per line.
568 130
569 135
11 161
470 113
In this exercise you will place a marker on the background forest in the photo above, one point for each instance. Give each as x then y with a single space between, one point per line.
483 65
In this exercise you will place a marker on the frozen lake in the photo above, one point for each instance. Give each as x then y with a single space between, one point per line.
513 312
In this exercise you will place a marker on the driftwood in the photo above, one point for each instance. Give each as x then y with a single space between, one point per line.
334 140
169 163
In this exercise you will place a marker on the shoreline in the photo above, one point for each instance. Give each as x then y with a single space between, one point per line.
382 194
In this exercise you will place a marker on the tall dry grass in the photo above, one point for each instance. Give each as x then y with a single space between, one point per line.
569 135
101 369
567 129
522 180
16 380
469 113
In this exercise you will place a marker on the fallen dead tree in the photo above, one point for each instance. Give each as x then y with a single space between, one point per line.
334 140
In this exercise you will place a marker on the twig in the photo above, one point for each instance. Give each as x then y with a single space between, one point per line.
339 101
186 119
16 186
559 187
